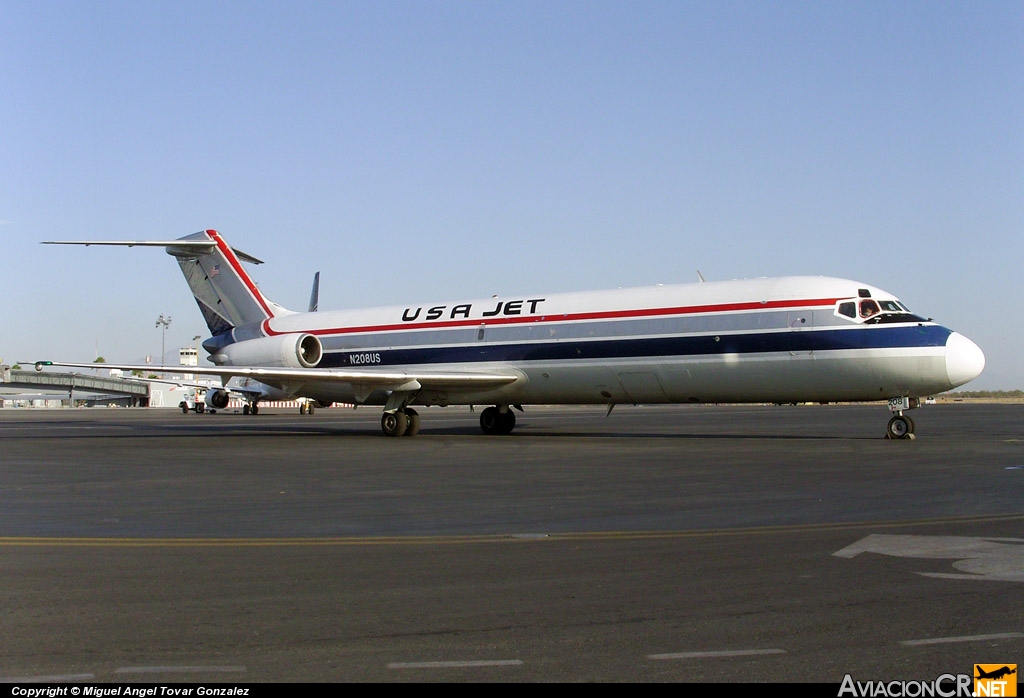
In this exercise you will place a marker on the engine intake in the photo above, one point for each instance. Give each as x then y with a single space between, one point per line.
284 351
216 399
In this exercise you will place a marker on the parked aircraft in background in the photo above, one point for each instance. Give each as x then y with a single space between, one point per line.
791 339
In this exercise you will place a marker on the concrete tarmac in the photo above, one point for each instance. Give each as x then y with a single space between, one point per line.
682 543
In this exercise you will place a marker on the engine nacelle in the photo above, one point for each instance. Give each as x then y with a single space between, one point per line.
216 399
284 351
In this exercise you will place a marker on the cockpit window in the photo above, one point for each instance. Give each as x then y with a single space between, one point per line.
869 308
876 312
893 318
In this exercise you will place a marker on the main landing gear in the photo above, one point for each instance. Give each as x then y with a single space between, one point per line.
401 422
497 420
404 421
901 426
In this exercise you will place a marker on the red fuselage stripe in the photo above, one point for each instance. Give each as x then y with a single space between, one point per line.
565 317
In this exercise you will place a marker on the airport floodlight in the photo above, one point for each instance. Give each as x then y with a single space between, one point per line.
165 322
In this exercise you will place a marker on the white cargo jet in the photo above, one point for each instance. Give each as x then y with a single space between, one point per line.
792 339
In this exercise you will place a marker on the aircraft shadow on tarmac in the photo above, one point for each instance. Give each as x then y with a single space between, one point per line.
273 428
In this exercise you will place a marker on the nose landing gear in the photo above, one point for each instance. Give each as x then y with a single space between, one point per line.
900 426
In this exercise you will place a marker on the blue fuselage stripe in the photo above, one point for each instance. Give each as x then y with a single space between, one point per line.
658 347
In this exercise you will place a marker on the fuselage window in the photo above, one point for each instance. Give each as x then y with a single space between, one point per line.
848 309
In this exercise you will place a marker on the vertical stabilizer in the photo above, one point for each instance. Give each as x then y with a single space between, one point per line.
314 295
226 295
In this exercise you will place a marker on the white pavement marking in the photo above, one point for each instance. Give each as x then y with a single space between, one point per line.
455 664
964 638
709 655
56 678
991 559
178 669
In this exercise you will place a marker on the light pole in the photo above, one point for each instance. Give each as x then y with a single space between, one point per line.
196 360
166 322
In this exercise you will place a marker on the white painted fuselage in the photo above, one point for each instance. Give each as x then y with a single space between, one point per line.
761 340
789 339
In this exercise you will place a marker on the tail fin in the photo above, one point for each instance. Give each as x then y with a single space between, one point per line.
226 295
314 295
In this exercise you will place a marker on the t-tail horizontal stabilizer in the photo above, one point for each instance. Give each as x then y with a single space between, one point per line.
226 295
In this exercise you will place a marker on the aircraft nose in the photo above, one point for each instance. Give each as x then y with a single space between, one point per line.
964 359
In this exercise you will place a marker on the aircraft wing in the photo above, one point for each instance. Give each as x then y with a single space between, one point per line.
180 382
245 391
365 378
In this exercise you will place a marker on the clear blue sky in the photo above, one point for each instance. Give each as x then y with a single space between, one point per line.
431 151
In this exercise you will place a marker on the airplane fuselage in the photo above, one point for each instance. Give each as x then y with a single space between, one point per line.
760 340
789 339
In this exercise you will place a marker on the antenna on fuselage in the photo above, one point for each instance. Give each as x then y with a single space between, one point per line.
700 276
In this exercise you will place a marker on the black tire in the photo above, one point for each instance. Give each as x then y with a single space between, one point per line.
495 422
899 427
413 426
490 418
394 423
